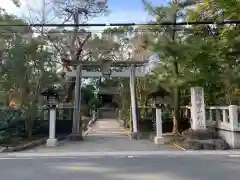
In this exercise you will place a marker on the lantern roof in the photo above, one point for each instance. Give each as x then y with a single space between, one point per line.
159 91
50 91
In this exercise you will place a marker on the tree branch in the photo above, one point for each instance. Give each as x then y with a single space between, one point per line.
80 49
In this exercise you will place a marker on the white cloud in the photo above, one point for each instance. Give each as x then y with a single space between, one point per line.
9 7
27 10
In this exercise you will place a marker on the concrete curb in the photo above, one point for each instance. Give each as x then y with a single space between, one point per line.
126 133
24 146
28 145
89 127
179 147
122 153
37 143
85 133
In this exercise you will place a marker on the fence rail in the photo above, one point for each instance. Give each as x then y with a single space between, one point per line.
223 117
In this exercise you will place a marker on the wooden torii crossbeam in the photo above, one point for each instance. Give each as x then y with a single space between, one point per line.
92 74
99 63
96 64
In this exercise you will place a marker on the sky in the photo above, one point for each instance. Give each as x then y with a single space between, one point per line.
129 10
120 10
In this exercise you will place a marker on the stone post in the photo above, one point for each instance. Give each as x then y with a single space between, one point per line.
52 141
233 116
233 120
198 108
159 138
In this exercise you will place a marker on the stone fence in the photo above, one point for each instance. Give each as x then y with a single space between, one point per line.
226 119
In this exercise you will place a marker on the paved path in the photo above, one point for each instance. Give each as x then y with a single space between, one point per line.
106 135
122 168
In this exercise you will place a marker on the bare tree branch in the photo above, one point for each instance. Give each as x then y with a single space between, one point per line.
80 49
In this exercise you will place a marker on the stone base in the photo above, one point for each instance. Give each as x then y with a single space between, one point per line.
75 137
210 144
201 134
207 139
159 140
51 143
134 135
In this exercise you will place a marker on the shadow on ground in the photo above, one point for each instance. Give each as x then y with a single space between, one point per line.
122 168
106 135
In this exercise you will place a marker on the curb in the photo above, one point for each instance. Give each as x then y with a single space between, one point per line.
39 142
33 144
179 147
89 127
74 154
29 145
126 133
25 146
85 133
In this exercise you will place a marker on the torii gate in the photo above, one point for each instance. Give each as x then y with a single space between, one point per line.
131 72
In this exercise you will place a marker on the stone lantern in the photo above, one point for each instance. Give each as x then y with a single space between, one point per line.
52 101
159 97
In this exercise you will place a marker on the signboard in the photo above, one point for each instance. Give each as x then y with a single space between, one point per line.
198 108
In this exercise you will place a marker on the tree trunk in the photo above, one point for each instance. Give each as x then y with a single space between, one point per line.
176 90
228 95
7 100
175 123
72 84
29 128
70 90
176 100
75 56
176 111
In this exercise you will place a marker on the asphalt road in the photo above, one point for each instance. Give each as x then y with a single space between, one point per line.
157 167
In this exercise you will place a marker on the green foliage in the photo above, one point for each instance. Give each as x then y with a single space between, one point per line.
89 99
197 55
117 30
205 58
26 68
